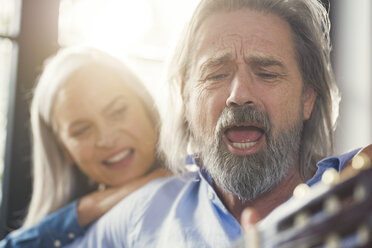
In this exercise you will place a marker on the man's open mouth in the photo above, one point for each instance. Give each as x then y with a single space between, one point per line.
244 137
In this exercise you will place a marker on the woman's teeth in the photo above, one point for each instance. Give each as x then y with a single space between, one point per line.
118 157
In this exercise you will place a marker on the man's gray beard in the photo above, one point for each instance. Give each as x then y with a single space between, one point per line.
249 176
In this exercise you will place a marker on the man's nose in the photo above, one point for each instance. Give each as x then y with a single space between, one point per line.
240 89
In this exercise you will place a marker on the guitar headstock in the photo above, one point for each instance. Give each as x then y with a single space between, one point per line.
334 213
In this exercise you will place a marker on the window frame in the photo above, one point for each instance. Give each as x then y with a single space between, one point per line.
37 40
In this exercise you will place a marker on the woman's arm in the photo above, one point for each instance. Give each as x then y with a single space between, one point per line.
91 207
63 226
56 229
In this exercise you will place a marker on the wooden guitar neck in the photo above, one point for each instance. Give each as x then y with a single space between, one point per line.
329 216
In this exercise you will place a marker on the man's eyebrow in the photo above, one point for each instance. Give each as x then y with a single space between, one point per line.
215 62
264 62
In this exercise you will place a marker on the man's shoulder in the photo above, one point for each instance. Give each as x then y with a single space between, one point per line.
161 191
139 215
166 185
163 211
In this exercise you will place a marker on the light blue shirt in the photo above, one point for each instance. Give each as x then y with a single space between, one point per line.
182 211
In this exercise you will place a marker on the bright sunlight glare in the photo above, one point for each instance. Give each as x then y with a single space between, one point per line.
141 32
110 25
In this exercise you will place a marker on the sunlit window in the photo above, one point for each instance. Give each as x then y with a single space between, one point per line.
9 17
6 49
142 31
108 24
121 26
9 28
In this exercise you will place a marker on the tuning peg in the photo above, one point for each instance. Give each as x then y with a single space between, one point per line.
361 161
360 193
330 177
332 241
363 235
301 191
301 219
332 204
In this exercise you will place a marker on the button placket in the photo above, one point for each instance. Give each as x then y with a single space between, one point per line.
210 194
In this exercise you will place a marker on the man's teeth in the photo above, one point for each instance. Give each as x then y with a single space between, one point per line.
243 145
118 157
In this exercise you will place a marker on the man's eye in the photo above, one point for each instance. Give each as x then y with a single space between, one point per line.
217 77
265 75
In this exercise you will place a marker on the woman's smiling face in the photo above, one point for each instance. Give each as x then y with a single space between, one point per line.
104 126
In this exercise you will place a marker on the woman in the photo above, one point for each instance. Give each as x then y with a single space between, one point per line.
94 126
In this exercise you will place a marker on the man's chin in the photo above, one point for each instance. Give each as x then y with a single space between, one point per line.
244 174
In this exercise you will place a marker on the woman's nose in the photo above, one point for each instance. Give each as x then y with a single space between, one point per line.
106 137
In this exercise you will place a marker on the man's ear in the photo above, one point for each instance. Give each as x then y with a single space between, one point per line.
309 98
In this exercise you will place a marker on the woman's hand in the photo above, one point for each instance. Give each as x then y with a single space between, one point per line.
92 206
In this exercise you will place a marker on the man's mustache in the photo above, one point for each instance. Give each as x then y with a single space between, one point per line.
240 115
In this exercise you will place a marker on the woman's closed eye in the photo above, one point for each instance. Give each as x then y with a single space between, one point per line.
79 131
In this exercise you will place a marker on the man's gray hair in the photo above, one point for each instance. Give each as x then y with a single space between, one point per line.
310 28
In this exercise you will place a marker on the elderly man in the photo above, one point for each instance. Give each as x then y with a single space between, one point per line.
253 97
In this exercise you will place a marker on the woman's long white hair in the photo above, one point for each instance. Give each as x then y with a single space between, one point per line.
55 181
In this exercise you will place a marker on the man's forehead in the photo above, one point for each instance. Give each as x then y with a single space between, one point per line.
238 28
214 47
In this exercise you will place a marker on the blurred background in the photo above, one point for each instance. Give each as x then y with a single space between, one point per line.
143 32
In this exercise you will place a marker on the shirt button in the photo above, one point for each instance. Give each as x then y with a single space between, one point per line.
71 235
210 195
57 243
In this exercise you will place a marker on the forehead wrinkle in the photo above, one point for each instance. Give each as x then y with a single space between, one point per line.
235 41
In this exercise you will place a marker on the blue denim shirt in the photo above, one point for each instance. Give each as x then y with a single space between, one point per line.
55 230
179 211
